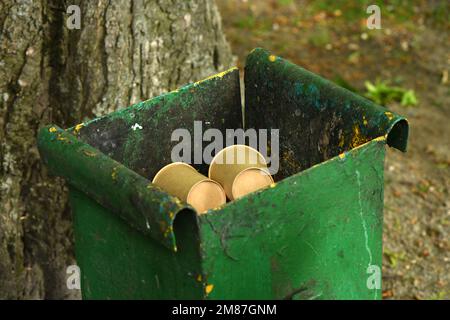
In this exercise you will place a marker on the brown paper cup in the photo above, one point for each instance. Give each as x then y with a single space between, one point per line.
183 181
240 169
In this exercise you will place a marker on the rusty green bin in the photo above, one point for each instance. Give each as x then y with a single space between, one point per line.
314 234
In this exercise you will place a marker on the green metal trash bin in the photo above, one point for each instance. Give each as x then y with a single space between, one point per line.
314 234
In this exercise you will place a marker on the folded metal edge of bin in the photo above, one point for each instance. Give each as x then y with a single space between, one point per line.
133 198
140 136
271 81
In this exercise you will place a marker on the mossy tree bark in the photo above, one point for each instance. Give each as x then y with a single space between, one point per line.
125 51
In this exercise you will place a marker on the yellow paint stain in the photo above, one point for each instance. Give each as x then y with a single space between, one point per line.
209 288
381 138
168 231
114 173
389 115
341 141
214 209
52 129
89 153
216 76
357 138
289 159
272 58
61 138
78 127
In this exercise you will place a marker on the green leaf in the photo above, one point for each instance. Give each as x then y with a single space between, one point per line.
409 99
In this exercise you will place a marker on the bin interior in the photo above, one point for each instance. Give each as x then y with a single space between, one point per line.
140 136
317 120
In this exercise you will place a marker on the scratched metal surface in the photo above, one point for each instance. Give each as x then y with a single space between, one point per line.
139 136
121 219
311 235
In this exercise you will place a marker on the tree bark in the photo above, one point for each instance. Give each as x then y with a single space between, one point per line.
125 52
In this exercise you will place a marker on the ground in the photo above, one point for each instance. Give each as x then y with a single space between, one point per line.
411 51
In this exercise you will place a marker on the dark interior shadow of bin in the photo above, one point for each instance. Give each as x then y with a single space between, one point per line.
315 234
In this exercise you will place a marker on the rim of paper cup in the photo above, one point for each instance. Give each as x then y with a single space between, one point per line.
170 165
247 169
207 180
212 164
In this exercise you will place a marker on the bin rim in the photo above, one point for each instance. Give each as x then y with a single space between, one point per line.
130 196
394 126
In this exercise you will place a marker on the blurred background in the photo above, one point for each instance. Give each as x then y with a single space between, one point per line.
403 66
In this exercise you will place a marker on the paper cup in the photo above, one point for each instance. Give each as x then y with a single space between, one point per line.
183 181
240 170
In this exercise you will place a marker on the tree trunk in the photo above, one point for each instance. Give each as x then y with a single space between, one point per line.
125 52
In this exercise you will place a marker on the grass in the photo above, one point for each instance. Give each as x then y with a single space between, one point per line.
285 2
394 257
246 22
441 295
401 10
398 11
382 93
319 36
